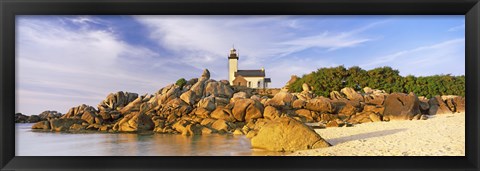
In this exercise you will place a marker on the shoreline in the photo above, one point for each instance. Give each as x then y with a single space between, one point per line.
440 135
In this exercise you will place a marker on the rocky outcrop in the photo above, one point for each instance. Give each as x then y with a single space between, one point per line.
206 106
287 134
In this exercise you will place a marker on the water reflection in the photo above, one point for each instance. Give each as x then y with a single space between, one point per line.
35 143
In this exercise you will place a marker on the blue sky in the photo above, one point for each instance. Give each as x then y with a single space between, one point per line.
65 61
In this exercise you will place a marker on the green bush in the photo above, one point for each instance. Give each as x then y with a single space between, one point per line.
326 80
181 82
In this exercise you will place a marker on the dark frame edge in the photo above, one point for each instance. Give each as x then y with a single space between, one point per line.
472 52
7 99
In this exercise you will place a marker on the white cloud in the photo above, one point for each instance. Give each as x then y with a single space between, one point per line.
55 62
204 41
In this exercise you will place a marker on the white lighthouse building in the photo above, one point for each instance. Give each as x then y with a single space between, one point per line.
248 78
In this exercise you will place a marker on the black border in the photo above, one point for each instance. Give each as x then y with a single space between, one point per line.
10 8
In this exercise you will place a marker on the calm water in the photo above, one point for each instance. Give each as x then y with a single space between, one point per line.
35 143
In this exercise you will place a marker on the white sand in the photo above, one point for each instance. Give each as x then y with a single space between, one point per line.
440 135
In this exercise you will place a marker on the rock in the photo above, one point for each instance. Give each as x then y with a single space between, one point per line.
271 113
307 115
189 97
77 127
132 106
77 112
241 95
374 99
335 95
287 134
33 119
424 117
220 126
320 104
374 117
116 101
368 90
223 113
207 103
459 104
238 131
134 122
46 115
281 100
374 109
347 109
246 109
352 94
305 95
91 117
21 118
438 106
64 124
45 125
332 124
417 117
299 104
362 117
218 89
399 106
306 87
206 74
187 128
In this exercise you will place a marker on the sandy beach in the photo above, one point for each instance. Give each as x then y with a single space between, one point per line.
440 135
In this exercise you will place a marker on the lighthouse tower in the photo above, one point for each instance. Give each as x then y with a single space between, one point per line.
232 65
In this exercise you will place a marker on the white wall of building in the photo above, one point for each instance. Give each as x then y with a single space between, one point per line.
254 82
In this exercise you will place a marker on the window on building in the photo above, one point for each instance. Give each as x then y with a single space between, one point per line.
249 84
258 84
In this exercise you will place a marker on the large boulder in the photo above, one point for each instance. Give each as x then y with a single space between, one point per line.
207 103
320 104
133 122
247 109
352 94
64 124
438 106
287 134
400 106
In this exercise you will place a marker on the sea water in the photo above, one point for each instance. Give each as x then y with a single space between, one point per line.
39 143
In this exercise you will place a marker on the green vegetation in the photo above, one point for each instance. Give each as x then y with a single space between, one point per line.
326 80
181 82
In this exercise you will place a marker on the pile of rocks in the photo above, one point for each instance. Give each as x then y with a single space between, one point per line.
206 106
44 116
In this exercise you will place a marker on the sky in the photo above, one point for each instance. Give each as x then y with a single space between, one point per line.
65 61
